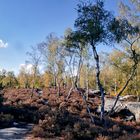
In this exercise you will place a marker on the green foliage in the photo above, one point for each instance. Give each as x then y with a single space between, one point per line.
8 79
121 29
2 76
92 22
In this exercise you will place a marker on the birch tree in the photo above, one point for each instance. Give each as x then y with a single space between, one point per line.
92 23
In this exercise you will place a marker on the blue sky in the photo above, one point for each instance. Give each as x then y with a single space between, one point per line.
24 23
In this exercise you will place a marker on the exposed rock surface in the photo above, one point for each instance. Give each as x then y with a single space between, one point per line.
133 107
128 98
92 93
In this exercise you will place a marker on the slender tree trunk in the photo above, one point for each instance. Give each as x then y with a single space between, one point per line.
88 109
35 73
58 87
124 87
34 79
78 72
54 80
59 82
115 83
71 89
75 79
87 83
100 87
136 87
133 71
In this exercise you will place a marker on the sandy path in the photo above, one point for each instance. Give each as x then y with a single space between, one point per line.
17 132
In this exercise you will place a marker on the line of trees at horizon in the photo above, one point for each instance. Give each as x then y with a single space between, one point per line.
115 68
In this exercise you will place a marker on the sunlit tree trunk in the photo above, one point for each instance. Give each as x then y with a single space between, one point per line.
87 82
100 87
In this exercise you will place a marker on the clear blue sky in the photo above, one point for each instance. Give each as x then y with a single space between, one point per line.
24 23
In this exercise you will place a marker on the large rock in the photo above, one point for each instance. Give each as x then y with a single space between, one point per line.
132 109
109 102
128 98
93 93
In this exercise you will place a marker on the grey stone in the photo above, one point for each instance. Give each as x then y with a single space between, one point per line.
133 107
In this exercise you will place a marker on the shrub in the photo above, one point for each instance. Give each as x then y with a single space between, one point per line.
38 131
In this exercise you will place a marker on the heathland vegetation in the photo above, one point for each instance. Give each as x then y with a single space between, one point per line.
67 100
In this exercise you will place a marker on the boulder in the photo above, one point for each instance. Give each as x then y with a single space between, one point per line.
93 93
134 107
109 102
128 98
127 110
